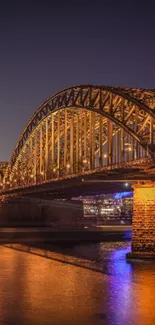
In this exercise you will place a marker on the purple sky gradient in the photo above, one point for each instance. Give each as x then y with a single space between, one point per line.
45 48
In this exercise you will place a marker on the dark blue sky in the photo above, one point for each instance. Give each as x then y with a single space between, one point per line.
47 46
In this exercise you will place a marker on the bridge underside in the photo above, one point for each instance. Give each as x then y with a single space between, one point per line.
108 181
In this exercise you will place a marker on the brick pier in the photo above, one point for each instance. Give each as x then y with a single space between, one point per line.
143 227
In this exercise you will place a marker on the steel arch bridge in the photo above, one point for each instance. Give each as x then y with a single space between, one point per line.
83 129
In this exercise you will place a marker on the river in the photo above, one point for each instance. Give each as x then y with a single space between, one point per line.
39 290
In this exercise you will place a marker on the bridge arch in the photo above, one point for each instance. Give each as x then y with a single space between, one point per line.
106 115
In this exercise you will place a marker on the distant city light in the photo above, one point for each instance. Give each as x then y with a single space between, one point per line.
126 184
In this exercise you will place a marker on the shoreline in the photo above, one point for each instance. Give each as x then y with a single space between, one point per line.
25 235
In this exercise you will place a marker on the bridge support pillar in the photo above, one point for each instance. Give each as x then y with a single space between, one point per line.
143 226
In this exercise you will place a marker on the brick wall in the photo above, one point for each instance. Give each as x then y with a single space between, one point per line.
143 228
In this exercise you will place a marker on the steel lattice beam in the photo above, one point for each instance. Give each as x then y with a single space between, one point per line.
83 128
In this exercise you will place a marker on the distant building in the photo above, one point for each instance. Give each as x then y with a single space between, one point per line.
108 208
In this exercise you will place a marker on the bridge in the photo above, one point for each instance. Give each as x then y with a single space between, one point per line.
3 166
83 132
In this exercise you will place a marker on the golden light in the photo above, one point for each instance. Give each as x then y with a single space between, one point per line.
58 144
144 193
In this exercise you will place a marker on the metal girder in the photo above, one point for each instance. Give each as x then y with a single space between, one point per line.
91 117
90 97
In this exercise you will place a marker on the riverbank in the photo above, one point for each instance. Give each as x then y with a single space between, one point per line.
29 234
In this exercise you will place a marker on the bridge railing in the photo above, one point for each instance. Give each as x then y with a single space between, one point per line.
59 175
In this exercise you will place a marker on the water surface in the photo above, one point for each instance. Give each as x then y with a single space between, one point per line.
36 290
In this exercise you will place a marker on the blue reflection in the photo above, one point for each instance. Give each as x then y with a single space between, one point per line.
120 195
112 256
120 288
127 235
119 265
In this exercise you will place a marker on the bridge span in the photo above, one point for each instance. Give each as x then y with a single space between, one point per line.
90 131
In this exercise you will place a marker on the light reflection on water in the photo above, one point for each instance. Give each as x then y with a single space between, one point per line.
109 255
36 290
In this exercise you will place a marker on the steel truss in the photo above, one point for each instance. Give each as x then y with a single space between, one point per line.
81 129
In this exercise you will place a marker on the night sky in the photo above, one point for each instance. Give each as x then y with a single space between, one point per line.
46 47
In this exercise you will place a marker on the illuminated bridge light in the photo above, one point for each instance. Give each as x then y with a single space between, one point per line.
70 134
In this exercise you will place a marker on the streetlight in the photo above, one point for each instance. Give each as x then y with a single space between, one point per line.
85 161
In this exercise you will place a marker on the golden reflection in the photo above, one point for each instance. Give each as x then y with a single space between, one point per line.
39 290
144 290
